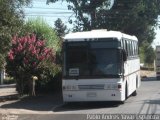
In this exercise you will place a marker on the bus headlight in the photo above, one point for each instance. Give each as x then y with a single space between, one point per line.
114 86
70 87
107 86
111 86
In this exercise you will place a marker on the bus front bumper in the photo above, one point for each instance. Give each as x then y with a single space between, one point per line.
101 95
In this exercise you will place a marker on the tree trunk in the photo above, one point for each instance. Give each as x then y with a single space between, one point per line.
32 87
20 86
93 14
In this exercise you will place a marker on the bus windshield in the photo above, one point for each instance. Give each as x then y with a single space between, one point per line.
91 59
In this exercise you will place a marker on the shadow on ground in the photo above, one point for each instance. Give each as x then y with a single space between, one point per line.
145 79
152 107
55 103
155 102
85 106
38 103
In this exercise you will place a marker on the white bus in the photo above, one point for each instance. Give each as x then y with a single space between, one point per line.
100 65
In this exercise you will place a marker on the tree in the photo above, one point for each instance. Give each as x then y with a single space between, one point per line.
148 54
43 32
46 33
86 12
11 21
25 60
134 17
60 28
138 17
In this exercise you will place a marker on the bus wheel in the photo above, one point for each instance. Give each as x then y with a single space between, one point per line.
126 92
135 92
136 82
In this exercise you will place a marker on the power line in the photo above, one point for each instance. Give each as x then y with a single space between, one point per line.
47 16
45 8
40 0
49 13
45 1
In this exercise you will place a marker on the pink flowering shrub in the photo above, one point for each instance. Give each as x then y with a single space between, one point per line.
27 57
29 52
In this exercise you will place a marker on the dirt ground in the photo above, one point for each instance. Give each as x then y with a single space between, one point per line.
147 73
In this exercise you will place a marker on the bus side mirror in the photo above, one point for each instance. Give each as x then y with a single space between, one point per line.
124 55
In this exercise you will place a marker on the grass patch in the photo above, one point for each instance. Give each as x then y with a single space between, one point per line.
9 80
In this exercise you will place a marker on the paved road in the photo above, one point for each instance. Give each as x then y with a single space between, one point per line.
146 102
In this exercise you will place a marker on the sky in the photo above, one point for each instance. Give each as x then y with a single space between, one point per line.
157 39
50 12
53 11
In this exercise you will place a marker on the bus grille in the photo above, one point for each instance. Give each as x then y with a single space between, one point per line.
91 87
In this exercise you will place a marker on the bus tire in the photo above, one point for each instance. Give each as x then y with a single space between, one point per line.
135 92
136 82
126 92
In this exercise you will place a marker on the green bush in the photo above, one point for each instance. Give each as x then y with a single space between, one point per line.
29 57
43 32
46 82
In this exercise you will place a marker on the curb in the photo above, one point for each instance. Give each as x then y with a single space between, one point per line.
9 97
149 79
8 86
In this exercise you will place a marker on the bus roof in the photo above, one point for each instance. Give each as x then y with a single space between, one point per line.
101 33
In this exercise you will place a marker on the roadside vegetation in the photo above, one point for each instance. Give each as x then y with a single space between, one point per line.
11 22
31 51
28 50
134 17
27 60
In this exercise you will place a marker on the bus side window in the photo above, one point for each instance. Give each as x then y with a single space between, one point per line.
126 47
135 53
136 48
132 48
122 46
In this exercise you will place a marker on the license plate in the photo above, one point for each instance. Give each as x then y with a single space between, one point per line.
91 94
